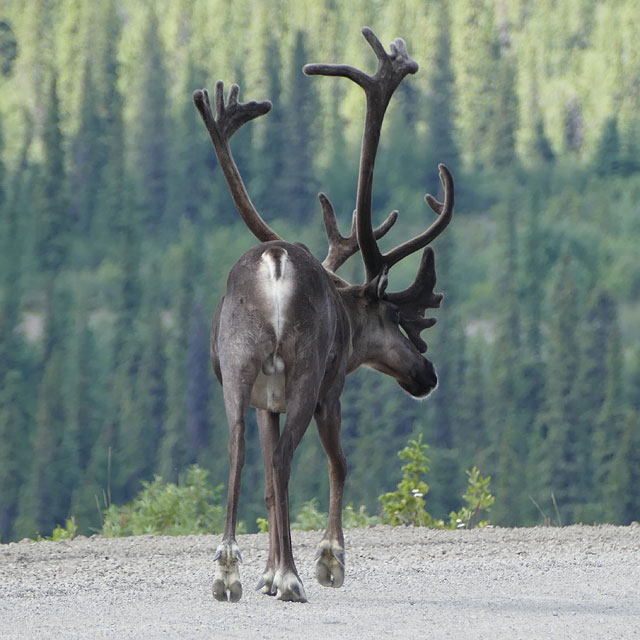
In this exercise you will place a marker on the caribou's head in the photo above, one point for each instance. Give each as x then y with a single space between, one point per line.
386 325
394 321
385 345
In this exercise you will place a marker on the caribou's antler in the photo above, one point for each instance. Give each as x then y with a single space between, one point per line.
392 68
379 88
227 120
416 299
340 247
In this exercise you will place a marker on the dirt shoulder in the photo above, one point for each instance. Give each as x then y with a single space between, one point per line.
572 582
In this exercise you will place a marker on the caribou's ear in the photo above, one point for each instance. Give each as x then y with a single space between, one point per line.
375 288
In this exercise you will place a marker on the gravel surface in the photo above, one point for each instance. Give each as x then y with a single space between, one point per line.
572 582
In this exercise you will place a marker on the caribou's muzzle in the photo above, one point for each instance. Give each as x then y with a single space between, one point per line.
422 381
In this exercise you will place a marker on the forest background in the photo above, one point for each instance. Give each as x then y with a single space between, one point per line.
117 233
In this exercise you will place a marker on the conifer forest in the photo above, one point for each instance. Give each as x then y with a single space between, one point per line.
117 233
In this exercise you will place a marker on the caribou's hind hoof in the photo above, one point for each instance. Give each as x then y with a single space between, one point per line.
235 591
219 590
265 585
330 564
288 587
222 592
226 583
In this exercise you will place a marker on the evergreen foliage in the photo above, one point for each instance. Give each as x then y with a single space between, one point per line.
53 219
117 232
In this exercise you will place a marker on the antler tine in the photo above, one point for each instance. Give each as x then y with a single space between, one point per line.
416 299
221 126
392 68
445 213
344 70
419 295
340 247
413 328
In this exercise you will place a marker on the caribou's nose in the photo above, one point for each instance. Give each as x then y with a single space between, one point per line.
422 382
431 376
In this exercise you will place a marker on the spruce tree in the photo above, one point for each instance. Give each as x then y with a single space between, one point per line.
504 119
110 223
608 436
175 449
199 380
440 100
607 156
85 160
298 182
477 75
52 212
151 133
595 338
472 437
532 364
143 413
556 469
103 476
46 494
90 409
541 149
268 161
574 126
8 49
9 273
446 348
509 447
13 427
191 183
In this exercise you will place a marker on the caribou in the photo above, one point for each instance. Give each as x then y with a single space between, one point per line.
289 329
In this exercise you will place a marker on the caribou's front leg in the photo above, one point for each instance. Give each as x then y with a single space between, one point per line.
269 427
226 581
330 552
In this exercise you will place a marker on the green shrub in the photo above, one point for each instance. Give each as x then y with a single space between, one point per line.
310 518
191 507
477 498
68 532
263 525
360 519
406 505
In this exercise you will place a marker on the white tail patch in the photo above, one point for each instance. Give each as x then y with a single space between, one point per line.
276 259
277 281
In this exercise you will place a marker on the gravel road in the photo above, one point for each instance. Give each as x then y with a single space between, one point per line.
572 582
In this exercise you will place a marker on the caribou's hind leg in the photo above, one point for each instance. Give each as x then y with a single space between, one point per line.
269 427
330 552
300 408
237 390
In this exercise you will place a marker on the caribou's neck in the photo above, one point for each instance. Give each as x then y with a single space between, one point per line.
360 347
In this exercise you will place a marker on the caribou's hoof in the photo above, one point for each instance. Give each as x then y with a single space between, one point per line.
226 582
223 592
266 583
330 564
288 586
